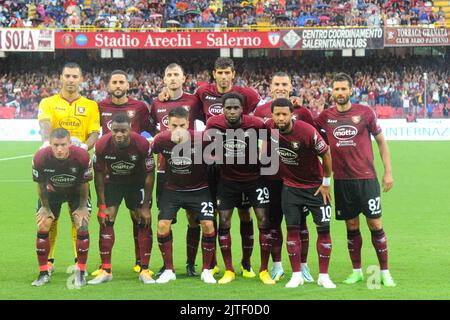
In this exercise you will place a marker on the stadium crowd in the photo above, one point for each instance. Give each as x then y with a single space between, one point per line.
216 13
377 81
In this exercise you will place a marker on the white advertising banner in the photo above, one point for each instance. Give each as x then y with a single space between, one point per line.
19 130
393 129
422 130
12 39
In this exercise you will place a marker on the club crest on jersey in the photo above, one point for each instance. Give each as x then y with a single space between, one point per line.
356 119
131 113
187 108
73 170
133 157
81 109
295 145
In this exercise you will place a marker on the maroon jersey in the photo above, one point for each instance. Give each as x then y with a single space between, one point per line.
300 113
298 151
136 110
64 176
182 172
348 134
237 147
159 115
124 165
212 99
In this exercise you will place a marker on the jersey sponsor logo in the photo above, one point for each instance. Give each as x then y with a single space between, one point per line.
180 162
108 125
110 158
215 109
331 121
287 156
49 170
69 122
356 119
63 179
320 146
106 114
131 113
210 98
345 132
234 147
160 110
122 167
165 121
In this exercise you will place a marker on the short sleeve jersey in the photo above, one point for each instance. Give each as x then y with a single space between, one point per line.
124 165
62 176
348 134
136 110
298 151
184 171
80 117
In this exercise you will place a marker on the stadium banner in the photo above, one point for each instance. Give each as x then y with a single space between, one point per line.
167 40
413 37
12 39
332 38
19 130
422 130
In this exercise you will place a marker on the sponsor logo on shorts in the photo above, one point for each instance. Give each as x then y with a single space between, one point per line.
215 109
69 122
63 180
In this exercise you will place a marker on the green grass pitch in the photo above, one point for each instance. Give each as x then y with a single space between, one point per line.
416 215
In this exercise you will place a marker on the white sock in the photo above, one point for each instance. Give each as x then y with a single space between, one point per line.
297 275
323 275
304 265
385 272
357 270
277 265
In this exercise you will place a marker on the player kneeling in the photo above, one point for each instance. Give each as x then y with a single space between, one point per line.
186 187
62 172
124 168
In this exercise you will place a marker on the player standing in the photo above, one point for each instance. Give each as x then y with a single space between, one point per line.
281 87
139 115
240 177
306 183
124 169
348 128
174 79
79 115
186 187
62 172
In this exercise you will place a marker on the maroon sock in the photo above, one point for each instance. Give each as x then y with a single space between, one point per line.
354 244
192 241
145 239
82 248
225 248
208 249
247 242
106 243
216 233
304 236
265 244
165 242
323 248
294 244
137 251
42 250
379 241
277 243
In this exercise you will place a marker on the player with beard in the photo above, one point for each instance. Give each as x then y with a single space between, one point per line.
124 169
63 172
281 87
239 176
139 114
348 128
174 79
306 183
